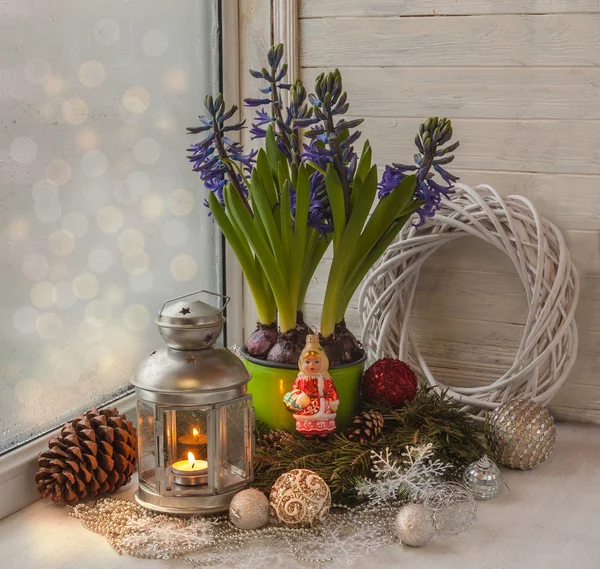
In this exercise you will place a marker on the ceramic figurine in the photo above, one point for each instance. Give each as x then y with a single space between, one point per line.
313 399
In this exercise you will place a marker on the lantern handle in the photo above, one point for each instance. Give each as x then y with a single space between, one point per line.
227 299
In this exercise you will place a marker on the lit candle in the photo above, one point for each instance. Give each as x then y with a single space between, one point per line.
190 472
194 439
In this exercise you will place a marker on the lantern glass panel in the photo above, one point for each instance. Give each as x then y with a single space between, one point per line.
186 447
146 444
235 441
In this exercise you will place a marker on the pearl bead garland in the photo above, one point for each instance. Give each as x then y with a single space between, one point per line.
119 520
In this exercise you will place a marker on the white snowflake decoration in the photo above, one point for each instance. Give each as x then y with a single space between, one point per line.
413 475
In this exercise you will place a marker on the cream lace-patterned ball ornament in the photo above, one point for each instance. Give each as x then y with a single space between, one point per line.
300 498
521 434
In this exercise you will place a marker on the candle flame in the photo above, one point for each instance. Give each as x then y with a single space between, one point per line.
195 432
191 459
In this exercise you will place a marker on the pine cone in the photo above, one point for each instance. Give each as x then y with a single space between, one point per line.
274 439
366 427
94 454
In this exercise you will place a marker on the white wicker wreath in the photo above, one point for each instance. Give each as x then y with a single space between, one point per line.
540 255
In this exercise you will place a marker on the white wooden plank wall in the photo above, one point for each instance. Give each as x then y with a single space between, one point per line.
521 82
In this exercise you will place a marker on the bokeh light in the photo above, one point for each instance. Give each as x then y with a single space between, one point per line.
154 43
136 317
75 111
98 313
147 151
100 260
110 219
59 171
183 267
86 286
49 325
94 163
181 202
23 150
61 243
136 99
92 74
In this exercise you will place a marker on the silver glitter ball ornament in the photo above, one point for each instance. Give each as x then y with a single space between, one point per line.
520 433
414 525
453 506
249 509
482 478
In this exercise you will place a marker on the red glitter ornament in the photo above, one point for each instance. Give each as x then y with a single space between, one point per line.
389 380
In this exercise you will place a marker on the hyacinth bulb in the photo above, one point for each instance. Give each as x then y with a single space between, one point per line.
262 340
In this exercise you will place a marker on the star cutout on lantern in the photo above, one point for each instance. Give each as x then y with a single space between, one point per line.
208 337
191 359
184 311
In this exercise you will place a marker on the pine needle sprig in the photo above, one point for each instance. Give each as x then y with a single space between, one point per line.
431 418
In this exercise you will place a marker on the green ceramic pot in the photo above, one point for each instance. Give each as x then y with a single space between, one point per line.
271 381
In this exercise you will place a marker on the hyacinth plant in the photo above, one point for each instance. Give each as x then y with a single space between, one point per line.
306 189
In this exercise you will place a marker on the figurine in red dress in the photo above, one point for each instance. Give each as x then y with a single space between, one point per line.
313 399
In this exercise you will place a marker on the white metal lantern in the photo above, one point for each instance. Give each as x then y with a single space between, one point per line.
195 420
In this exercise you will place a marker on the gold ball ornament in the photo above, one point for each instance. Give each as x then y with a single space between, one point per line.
300 498
521 434
249 509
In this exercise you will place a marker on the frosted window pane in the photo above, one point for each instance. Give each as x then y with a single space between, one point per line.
101 218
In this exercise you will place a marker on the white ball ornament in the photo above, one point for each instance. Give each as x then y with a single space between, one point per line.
414 525
249 509
300 498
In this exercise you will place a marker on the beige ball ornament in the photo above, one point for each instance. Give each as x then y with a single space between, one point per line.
300 498
521 434
249 509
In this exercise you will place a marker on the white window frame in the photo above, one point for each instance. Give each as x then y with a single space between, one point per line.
18 466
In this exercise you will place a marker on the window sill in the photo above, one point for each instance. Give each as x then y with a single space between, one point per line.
18 467
542 519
